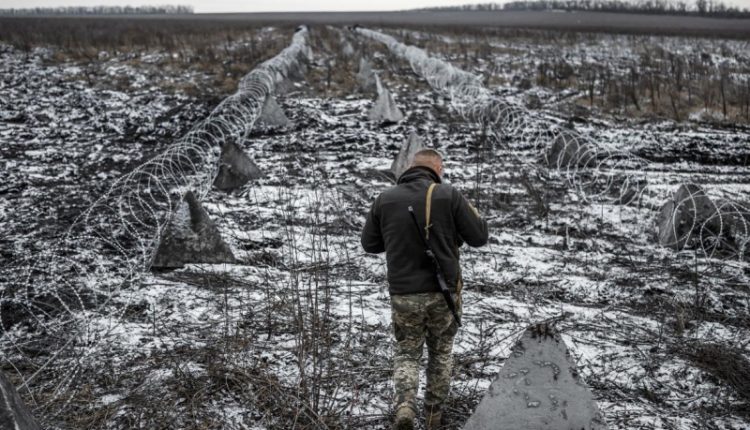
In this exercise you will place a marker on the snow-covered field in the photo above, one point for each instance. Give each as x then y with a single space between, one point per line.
296 334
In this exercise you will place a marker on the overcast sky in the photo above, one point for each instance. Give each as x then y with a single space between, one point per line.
202 6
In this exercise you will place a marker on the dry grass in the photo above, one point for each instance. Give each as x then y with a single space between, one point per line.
223 51
726 363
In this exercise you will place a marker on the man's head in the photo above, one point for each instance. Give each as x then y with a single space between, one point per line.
429 158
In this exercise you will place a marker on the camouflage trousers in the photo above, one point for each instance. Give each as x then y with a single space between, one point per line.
416 318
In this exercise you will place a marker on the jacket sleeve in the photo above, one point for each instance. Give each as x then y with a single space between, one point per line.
471 227
372 238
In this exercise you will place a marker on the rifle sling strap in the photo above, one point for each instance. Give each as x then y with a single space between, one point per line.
428 209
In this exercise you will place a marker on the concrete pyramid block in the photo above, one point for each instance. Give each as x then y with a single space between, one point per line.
403 160
191 237
682 216
235 168
14 414
297 70
307 56
285 86
385 109
538 388
271 115
347 50
366 77
568 150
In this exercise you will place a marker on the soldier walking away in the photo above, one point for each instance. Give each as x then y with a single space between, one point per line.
420 260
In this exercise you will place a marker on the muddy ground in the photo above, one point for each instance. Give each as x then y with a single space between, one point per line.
297 333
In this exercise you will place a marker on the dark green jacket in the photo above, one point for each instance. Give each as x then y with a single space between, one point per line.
389 228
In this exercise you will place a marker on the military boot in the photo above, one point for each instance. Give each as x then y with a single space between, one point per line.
404 418
433 416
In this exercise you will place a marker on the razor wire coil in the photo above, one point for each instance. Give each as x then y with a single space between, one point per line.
598 172
52 296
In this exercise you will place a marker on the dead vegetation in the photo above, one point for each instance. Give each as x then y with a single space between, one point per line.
657 83
286 343
215 54
728 364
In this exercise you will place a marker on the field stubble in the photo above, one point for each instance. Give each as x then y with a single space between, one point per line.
297 334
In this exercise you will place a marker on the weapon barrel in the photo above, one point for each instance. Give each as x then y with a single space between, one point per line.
442 283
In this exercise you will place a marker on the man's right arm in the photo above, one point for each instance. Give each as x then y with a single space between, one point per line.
472 228
372 237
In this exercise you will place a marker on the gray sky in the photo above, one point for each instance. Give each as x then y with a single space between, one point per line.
272 5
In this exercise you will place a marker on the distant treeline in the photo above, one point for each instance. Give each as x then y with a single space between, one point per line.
673 7
101 10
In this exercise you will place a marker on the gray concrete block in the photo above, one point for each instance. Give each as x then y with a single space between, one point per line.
191 237
570 151
681 217
272 116
384 110
538 388
366 78
14 414
235 168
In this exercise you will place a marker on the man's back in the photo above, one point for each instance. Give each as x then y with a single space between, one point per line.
389 228
419 312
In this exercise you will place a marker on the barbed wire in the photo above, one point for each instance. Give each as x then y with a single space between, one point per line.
53 304
514 126
597 171
690 216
